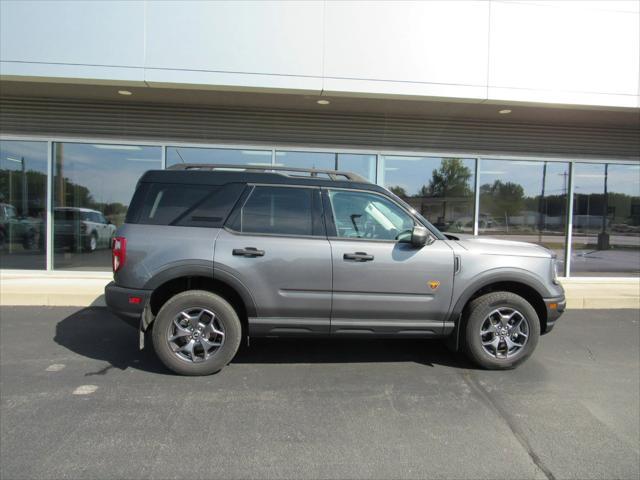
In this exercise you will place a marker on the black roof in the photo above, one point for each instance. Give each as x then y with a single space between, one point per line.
222 177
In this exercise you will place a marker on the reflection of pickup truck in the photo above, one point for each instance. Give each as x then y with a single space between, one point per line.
15 229
82 228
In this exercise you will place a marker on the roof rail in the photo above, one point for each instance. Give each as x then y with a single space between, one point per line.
313 172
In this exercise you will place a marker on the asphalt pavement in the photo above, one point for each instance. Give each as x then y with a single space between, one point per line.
78 400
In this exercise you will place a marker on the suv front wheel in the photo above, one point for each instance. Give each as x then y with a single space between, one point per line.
196 333
502 330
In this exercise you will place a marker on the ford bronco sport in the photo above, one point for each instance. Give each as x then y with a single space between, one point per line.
210 254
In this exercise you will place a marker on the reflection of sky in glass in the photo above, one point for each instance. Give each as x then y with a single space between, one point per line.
110 172
321 160
229 156
527 174
412 173
363 165
34 153
589 178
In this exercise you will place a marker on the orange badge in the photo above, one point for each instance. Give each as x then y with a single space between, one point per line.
434 284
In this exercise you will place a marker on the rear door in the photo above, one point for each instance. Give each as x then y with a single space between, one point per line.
382 286
276 245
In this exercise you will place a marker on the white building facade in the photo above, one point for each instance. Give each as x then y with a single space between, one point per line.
516 119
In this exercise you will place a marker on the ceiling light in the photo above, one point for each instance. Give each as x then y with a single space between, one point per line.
504 112
124 92
323 102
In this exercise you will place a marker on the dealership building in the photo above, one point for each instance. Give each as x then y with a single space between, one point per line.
518 120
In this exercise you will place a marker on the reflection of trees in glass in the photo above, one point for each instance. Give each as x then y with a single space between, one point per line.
399 191
36 184
447 195
502 198
11 185
450 180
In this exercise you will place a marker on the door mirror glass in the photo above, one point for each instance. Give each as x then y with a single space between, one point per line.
418 236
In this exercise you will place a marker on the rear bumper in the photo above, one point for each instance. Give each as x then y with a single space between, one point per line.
119 300
555 307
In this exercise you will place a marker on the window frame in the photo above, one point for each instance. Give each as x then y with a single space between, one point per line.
316 212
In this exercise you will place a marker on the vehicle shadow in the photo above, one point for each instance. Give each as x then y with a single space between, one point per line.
96 333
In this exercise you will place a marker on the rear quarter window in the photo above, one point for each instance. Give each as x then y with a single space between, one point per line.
183 204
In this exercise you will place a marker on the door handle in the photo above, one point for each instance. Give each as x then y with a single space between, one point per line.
358 257
248 252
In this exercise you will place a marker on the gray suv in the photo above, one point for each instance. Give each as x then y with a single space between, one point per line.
210 254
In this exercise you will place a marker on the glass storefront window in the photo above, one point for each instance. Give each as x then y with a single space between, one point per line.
320 160
441 189
363 165
92 187
525 201
23 204
606 220
223 156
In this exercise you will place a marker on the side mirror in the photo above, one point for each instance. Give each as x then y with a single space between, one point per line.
419 236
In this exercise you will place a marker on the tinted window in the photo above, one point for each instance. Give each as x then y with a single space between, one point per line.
183 205
214 209
277 210
166 204
368 216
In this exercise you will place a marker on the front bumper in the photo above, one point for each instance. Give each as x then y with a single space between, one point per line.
123 302
555 307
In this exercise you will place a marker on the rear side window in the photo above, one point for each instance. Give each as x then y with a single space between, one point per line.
276 210
183 205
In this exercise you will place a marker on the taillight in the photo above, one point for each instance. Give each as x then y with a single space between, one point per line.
118 253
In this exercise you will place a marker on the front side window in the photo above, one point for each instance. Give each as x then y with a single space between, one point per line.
368 216
277 211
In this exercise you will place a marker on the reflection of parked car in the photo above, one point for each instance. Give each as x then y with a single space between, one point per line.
82 228
15 229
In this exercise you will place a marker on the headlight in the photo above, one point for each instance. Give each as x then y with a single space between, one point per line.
554 270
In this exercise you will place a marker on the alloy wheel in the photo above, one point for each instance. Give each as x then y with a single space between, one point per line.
195 335
504 332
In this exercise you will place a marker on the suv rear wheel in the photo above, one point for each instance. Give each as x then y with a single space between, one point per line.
196 333
502 330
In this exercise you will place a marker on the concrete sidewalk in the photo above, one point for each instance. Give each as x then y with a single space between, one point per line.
85 289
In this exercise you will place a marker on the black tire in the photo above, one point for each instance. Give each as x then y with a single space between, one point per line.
478 311
225 314
92 243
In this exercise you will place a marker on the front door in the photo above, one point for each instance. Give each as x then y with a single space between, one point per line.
380 285
275 244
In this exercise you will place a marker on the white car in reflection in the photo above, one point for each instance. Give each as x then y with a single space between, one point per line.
82 229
